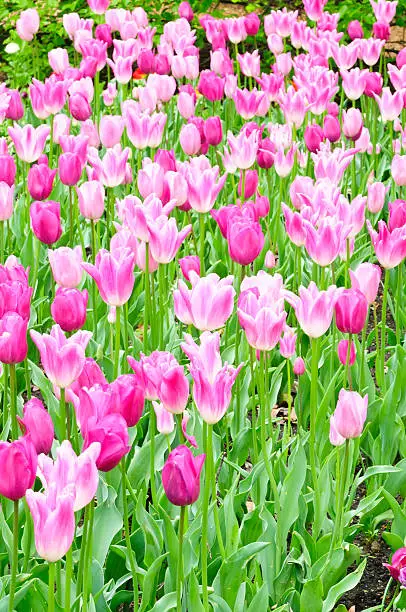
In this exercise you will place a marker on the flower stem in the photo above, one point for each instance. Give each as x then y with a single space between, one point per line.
70 217
94 286
202 238
51 587
179 584
82 549
214 494
118 338
14 561
147 305
205 520
127 534
62 413
13 401
68 579
338 525
347 363
312 439
88 559
152 428
383 330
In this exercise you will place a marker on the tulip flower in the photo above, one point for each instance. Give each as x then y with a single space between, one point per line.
29 141
390 247
70 168
398 170
212 382
262 318
313 308
6 201
113 275
54 521
366 278
40 181
342 350
27 24
165 239
62 358
19 461
245 239
68 309
13 338
66 266
397 566
91 199
188 264
112 434
128 398
299 367
37 423
349 417
181 476
8 169
46 221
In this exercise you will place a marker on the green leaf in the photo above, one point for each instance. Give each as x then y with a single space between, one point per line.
311 597
107 521
166 603
149 583
194 600
346 584
289 498
260 600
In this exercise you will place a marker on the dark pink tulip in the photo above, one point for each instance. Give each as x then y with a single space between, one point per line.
373 84
46 221
251 184
189 263
166 159
390 247
79 107
112 434
70 168
252 23
381 30
162 65
313 137
88 68
342 350
6 201
40 181
103 33
351 310
401 58
355 30
15 110
245 239
13 338
266 153
19 466
299 367
69 308
397 566
211 86
185 11
8 169
181 476
90 375
128 398
146 61
38 424
98 6
261 206
113 273
397 214
213 131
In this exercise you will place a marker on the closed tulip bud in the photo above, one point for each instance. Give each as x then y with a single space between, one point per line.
38 424
211 86
213 131
103 33
261 206
313 137
397 566
58 60
8 169
162 65
146 61
376 197
397 215
174 390
185 11
181 476
91 199
13 338
351 310
15 110
70 168
189 263
252 23
299 367
112 434
266 153
46 221
113 273
245 240
69 308
287 343
398 170
66 265
342 350
128 398
381 30
269 261
366 278
6 201
373 84
166 159
352 123
355 30
27 24
165 423
79 107
19 461
349 417
190 139
185 105
251 184
40 181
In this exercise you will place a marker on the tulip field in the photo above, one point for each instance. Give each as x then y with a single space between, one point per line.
203 314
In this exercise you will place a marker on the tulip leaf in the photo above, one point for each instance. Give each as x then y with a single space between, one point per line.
346 584
107 521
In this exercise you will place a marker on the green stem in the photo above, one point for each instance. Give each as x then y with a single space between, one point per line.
70 218
62 414
87 576
94 286
118 339
28 540
5 394
147 305
383 329
27 378
312 438
82 549
179 582
13 401
398 303
68 579
214 494
51 587
14 561
289 396
202 238
253 409
363 342
152 428
51 141
161 286
205 520
127 534
338 525
347 363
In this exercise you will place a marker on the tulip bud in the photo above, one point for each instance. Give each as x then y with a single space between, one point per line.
79 107
299 367
19 460
190 139
165 423
8 169
46 221
351 310
342 350
213 131
181 476
252 23
15 110
13 338
381 30
40 181
189 263
245 240
128 398
355 30
69 308
352 123
186 105
112 434
91 199
376 197
185 11
38 424
313 137
6 201
251 183
349 417
270 261
70 168
266 153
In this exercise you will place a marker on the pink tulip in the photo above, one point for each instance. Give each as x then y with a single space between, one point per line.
351 310
58 60
355 30
397 214
287 343
165 239
79 107
397 566
353 82
251 103
314 309
349 417
29 141
208 304
8 169
189 139
250 63
262 319
128 398
122 69
37 423
112 434
165 422
366 278
342 350
299 367
204 186
70 469
162 378
62 358
331 128
384 11
70 168
188 264
213 382
13 338
27 24
390 247
181 476
111 170
91 199
19 461
352 123
269 261
376 197
325 243
111 128
68 309
243 149
40 181
250 184
210 85
313 137
113 274
245 239
66 265
6 201
398 170
185 11
98 6
54 521
314 8
252 24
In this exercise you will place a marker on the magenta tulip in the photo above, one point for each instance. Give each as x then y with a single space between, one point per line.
181 476
19 463
38 424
